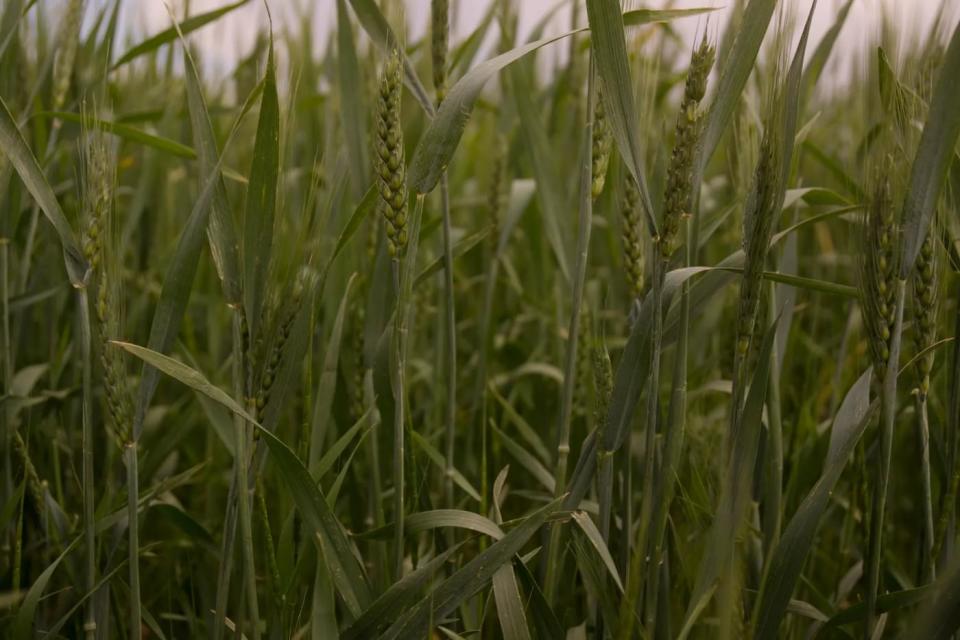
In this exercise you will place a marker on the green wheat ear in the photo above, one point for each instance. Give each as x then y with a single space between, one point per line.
97 195
925 290
99 171
602 143
878 270
757 228
389 163
602 382
287 316
679 190
632 233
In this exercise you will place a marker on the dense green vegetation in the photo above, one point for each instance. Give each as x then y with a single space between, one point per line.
394 342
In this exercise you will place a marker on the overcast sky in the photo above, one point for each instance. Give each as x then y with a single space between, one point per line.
233 34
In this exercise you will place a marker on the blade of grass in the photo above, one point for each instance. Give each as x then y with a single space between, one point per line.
463 583
933 158
261 200
789 555
167 36
18 153
609 48
347 572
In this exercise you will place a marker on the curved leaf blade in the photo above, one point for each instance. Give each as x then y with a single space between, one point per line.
933 158
169 35
15 148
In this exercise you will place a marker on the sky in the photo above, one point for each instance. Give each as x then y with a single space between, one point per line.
231 36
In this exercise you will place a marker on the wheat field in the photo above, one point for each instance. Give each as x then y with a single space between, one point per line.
419 337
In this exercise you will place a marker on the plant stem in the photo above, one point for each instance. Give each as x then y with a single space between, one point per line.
133 536
246 526
584 220
888 409
89 525
773 487
673 446
399 395
451 342
927 559
6 426
943 544
230 517
404 273
639 557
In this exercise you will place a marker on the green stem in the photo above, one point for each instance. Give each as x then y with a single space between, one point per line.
584 219
451 342
246 525
888 409
928 567
246 453
639 557
133 537
673 446
404 273
230 517
89 525
773 487
399 396
6 427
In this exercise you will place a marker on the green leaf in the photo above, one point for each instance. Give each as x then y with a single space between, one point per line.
933 158
542 615
438 459
366 206
437 144
440 140
28 607
222 233
261 200
438 519
736 71
529 435
818 60
445 599
352 109
169 35
399 597
184 374
15 148
177 284
613 71
526 460
506 593
334 451
811 284
376 26
327 384
459 249
851 420
940 620
735 493
890 602
462 56
180 274
126 132
346 570
551 193
592 534
637 17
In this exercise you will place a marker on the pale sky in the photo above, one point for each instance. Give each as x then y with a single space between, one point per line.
232 35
